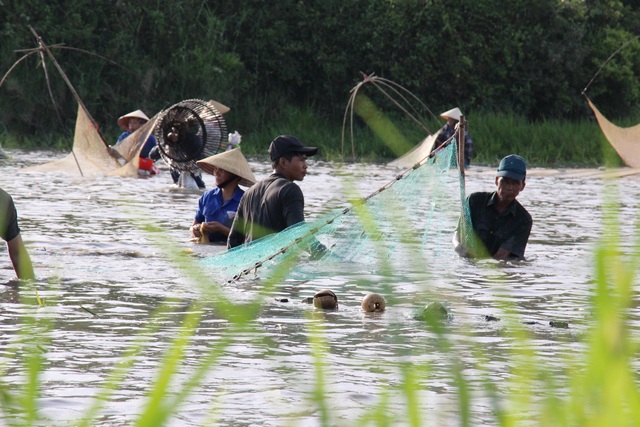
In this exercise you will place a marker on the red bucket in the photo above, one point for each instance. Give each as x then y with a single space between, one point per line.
145 164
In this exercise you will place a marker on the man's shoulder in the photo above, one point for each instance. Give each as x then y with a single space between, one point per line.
480 195
5 198
523 212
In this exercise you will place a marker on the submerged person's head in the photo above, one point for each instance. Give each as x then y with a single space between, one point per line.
228 167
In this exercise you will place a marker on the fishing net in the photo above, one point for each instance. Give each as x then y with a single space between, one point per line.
626 141
406 224
89 156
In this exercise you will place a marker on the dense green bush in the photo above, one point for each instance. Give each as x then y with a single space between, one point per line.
531 58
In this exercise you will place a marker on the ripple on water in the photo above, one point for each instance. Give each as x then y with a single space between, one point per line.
104 279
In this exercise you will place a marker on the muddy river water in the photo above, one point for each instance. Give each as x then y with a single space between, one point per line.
101 277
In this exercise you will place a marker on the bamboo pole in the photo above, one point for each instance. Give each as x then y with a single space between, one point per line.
44 47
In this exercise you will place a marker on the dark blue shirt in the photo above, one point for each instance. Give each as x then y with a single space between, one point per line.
144 153
509 229
211 207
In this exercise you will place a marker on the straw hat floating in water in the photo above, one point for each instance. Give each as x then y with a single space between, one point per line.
373 303
326 300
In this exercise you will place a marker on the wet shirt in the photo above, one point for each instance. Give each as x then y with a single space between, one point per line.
8 218
509 229
144 153
267 207
211 207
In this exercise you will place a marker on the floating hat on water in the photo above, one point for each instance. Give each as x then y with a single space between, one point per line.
454 114
138 114
326 300
373 302
233 162
221 108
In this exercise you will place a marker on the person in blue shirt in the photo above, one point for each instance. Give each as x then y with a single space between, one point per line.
217 207
130 123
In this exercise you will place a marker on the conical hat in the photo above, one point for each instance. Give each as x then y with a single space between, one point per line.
232 161
454 114
221 108
138 114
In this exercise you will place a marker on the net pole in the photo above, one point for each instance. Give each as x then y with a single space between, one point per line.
45 48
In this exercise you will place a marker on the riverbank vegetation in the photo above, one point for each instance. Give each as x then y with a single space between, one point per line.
516 69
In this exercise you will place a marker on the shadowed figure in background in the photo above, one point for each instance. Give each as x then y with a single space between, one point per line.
453 118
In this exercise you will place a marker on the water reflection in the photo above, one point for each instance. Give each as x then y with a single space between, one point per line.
103 277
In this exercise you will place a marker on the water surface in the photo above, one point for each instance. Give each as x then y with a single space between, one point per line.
93 252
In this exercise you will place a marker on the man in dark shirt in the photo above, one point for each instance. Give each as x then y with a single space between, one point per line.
276 202
501 225
10 233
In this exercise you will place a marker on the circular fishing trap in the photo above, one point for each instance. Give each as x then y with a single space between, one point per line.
190 131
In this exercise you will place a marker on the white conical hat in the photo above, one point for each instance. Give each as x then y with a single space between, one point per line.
221 108
138 114
232 161
454 114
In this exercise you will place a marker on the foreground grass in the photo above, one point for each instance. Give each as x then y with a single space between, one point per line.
599 386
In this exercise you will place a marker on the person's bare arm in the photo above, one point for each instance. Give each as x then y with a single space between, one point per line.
20 258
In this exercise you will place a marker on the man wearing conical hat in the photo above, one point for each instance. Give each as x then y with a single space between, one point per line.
217 207
453 117
130 123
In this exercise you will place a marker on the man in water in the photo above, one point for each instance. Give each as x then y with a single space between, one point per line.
501 226
10 233
276 202
130 123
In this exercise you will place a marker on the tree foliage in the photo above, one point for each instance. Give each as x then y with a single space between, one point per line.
528 57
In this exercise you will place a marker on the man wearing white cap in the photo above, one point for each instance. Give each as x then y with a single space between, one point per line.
453 117
217 207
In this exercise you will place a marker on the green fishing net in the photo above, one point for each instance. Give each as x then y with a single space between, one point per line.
406 224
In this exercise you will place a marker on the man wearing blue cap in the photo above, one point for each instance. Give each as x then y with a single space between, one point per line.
500 224
276 202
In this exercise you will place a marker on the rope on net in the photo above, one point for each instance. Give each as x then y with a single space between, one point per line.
350 241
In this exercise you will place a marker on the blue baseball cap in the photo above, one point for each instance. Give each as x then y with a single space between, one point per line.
513 166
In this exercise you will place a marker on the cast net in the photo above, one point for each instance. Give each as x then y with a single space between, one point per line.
405 225
626 141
